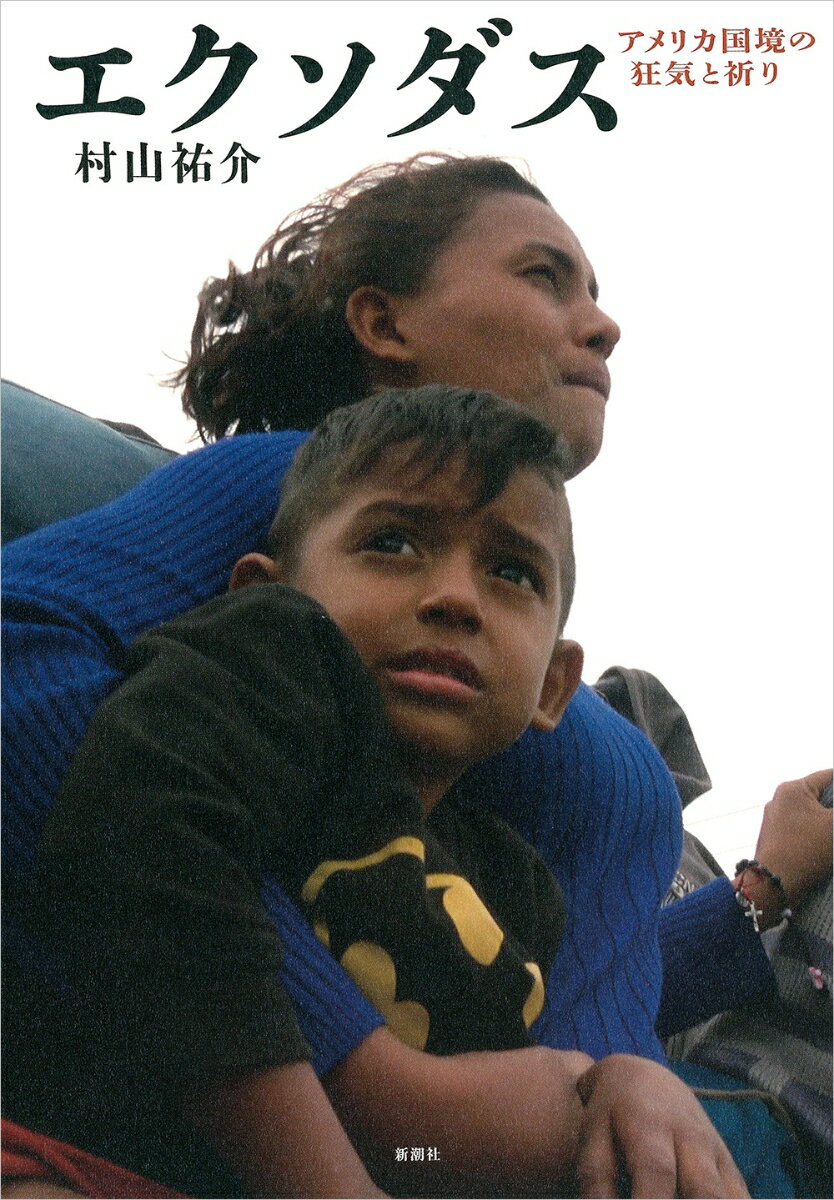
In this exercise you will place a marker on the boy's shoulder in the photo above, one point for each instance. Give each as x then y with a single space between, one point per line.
267 602
265 620
262 656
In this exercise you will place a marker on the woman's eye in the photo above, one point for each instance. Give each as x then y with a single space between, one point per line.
390 541
546 272
521 575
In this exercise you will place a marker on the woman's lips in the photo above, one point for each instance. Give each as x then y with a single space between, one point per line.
597 381
435 674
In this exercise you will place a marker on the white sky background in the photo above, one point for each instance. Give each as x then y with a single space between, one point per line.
704 530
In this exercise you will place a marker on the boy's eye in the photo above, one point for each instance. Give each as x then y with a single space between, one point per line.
390 541
521 574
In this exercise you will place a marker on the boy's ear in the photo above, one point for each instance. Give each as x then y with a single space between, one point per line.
372 315
560 682
253 568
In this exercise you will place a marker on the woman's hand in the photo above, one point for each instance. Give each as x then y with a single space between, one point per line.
794 843
642 1122
795 837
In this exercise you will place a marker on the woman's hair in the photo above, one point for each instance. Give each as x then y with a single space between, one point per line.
271 348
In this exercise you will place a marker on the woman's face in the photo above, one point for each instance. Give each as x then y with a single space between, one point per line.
510 306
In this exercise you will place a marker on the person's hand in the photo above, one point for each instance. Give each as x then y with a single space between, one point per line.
795 837
641 1120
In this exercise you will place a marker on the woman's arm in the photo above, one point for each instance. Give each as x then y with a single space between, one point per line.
713 958
76 594
794 843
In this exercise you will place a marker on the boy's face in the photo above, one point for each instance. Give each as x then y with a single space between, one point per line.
455 612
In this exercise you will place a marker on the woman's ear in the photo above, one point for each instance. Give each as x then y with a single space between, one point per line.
372 315
562 679
253 568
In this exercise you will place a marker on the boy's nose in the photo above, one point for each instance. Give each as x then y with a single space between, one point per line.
452 598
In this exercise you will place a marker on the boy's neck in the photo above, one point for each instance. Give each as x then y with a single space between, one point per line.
430 782
430 795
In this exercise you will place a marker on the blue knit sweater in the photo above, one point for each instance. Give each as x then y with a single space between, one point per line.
594 797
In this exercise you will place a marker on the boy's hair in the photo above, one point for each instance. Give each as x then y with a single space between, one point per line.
495 438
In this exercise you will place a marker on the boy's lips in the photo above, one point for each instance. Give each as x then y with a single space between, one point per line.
437 673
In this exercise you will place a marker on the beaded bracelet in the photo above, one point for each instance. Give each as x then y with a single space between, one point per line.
751 864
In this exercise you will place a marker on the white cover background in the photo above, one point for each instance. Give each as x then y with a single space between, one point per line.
704 530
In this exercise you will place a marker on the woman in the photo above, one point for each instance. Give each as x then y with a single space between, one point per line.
433 270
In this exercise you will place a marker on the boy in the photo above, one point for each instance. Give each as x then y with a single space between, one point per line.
433 529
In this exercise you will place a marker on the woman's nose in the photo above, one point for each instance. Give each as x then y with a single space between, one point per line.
602 332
